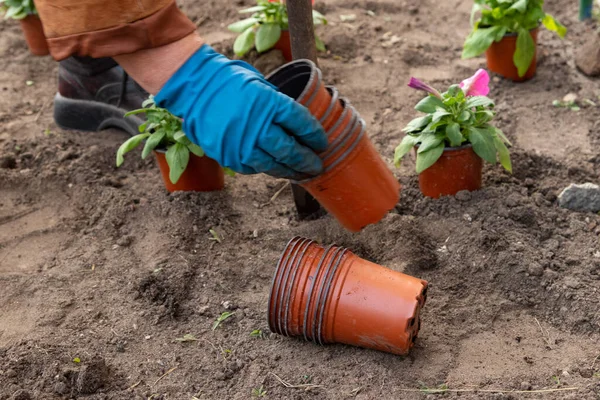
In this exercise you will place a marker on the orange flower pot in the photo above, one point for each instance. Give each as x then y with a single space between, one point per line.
302 81
500 58
340 147
459 168
202 174
330 295
358 189
284 44
334 111
34 35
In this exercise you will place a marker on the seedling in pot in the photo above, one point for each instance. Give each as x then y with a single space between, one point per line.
461 115
162 131
264 28
17 9
509 17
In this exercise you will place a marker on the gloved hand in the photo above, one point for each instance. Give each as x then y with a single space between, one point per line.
241 120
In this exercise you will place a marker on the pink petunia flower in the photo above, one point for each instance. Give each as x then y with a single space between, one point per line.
417 84
477 85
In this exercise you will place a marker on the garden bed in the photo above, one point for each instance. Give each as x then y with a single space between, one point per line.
102 266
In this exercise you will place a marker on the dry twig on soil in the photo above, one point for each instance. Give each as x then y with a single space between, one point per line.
305 386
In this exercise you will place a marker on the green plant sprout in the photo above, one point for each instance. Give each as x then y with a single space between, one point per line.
17 9
257 334
221 318
259 392
215 235
263 29
501 17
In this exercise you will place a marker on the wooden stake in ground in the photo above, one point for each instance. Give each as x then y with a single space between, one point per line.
302 36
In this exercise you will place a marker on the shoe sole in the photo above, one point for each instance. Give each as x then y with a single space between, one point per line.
92 116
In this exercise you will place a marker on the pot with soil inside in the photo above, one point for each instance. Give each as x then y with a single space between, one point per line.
330 295
454 137
267 29
507 32
24 11
183 165
355 186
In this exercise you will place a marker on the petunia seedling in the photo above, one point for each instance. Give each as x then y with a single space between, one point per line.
263 29
498 18
461 115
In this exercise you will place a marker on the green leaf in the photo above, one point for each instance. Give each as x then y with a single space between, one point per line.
266 36
483 144
417 124
478 101
502 136
438 115
180 137
454 135
553 25
129 145
252 9
464 116
503 154
152 142
476 8
429 141
244 42
12 11
319 44
197 150
242 25
134 112
428 158
228 171
318 18
520 6
429 104
525 51
407 143
479 41
177 157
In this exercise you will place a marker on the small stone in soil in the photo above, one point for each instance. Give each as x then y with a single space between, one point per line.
535 269
463 195
525 386
588 57
585 197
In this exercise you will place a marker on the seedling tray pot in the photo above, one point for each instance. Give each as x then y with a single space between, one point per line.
457 169
330 295
202 174
34 35
500 58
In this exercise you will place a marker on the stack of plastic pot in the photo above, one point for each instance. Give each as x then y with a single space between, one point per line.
330 295
356 186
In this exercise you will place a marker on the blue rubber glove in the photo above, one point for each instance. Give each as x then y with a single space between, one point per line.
241 120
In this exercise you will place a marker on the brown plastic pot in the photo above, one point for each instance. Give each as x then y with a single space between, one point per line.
500 58
202 174
302 81
284 45
339 125
330 295
344 143
459 168
34 35
358 189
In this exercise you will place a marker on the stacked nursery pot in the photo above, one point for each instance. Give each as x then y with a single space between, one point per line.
356 186
330 295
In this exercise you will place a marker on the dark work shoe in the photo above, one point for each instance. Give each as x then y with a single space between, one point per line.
94 94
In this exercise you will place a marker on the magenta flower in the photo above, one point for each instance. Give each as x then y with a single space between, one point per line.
417 84
477 85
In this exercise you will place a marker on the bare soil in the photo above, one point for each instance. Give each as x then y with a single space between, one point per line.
102 265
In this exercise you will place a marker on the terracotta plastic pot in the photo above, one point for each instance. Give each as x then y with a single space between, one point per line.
457 169
334 111
34 35
500 58
330 295
284 44
302 81
340 147
335 129
202 174
358 189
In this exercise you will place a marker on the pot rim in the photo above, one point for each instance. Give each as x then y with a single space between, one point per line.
446 148
345 110
342 139
335 94
511 34
314 71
